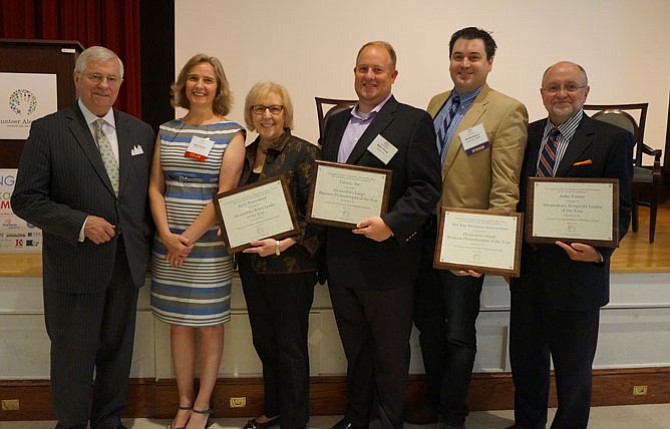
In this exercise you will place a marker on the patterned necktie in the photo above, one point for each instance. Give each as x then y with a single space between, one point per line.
442 131
545 167
108 158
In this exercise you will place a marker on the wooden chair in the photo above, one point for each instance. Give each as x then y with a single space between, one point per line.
336 105
646 178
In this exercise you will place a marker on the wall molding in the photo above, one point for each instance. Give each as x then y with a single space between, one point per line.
488 391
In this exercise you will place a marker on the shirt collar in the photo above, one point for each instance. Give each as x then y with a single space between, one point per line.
567 128
278 145
468 96
363 117
89 117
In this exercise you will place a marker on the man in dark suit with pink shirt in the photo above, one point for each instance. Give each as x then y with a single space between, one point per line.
372 268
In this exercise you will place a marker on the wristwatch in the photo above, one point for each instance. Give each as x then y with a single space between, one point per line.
277 248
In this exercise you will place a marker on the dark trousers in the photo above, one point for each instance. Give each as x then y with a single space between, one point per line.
446 307
374 327
538 333
92 333
278 306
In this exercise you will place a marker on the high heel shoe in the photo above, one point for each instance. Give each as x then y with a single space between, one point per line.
206 412
188 408
253 424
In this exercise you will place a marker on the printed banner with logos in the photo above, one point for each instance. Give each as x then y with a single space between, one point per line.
16 236
25 97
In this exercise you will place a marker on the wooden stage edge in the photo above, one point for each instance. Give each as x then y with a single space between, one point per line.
489 391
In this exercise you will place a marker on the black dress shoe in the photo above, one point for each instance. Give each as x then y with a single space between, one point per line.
516 426
346 424
442 425
120 426
253 424
421 415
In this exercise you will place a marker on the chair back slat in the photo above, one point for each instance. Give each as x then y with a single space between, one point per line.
624 116
336 104
647 179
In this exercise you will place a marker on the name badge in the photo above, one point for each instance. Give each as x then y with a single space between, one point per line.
474 139
199 148
382 149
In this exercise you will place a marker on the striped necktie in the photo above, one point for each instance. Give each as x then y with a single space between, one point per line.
107 155
443 130
545 167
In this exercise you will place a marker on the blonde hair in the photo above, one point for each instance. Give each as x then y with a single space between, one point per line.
260 90
380 44
223 100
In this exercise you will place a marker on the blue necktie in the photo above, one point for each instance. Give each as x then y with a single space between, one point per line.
545 167
443 130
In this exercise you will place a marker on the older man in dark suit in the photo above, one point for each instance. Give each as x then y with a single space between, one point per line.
556 301
372 268
83 180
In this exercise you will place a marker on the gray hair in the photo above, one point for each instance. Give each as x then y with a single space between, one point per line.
96 53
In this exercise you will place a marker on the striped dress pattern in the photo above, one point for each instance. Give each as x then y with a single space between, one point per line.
198 292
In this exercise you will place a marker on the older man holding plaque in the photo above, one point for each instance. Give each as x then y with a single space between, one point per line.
557 299
371 269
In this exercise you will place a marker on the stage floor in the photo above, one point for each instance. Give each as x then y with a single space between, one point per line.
636 254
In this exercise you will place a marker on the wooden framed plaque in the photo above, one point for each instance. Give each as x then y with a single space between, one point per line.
584 210
341 195
253 212
480 240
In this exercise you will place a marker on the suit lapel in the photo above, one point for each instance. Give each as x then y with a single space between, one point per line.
379 123
580 142
438 103
125 149
471 118
333 139
533 150
79 128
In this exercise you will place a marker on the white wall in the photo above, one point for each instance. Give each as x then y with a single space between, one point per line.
309 46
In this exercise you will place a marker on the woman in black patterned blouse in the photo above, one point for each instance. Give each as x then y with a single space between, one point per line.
278 276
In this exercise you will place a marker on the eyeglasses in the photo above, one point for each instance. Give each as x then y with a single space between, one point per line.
570 87
99 78
259 109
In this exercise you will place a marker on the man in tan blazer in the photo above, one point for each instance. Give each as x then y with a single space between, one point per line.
481 137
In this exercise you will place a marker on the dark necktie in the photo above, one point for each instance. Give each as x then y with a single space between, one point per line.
442 131
545 167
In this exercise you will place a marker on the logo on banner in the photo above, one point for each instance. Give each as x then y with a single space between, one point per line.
22 101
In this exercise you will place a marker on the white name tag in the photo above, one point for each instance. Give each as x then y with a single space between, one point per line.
382 149
474 139
199 148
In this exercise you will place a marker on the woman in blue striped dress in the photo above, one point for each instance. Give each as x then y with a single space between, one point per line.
195 157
